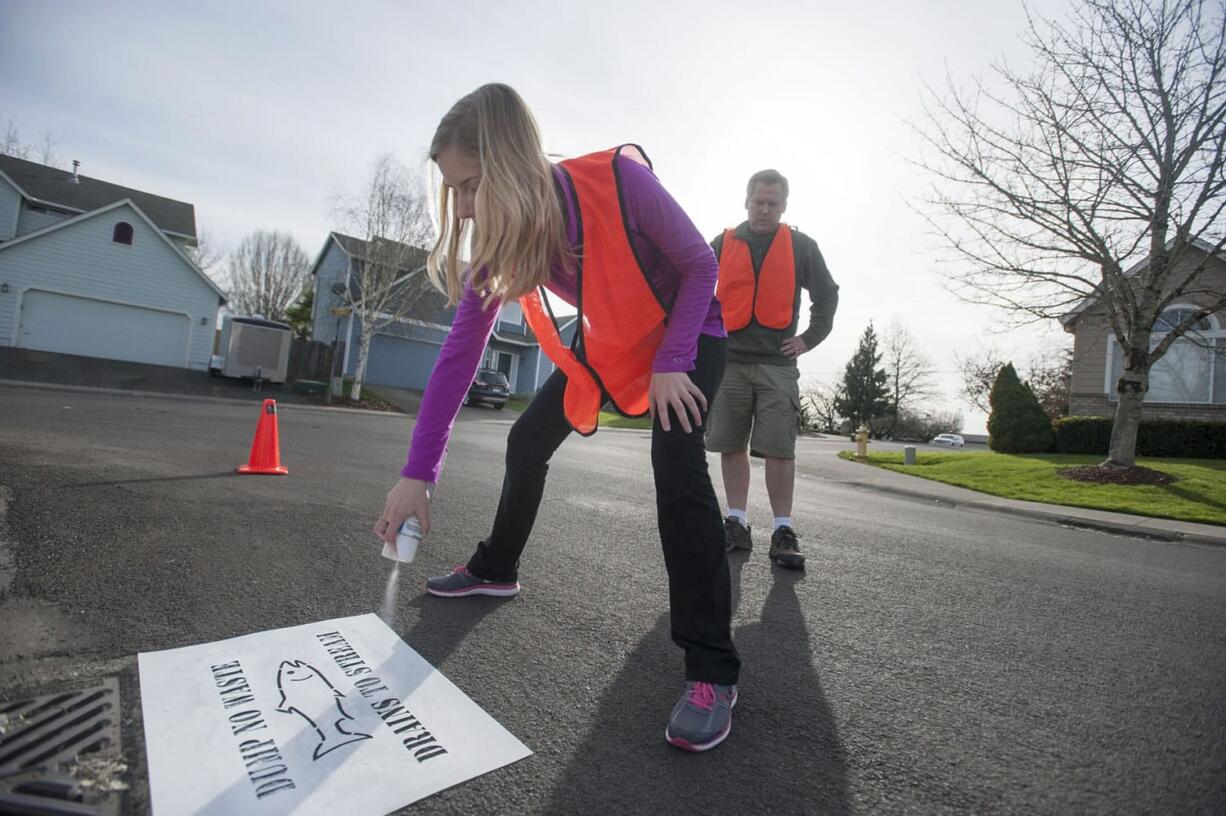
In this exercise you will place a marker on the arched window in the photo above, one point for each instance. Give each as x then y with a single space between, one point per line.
1193 370
122 233
1175 315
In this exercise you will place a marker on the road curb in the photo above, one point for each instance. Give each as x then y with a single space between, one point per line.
126 392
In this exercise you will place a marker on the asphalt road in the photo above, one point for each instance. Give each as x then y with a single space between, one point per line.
930 659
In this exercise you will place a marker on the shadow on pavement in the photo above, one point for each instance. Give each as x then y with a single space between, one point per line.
442 623
107 482
783 756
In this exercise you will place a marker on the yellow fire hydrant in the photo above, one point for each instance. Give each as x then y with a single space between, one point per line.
862 442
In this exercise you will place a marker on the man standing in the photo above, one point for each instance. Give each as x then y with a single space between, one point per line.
763 265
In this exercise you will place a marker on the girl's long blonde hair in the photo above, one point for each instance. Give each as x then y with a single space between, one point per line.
518 231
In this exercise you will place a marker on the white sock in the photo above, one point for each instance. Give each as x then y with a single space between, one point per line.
783 521
739 515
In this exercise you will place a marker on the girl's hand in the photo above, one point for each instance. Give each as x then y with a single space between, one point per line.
407 498
675 389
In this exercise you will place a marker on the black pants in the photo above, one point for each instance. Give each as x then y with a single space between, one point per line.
691 528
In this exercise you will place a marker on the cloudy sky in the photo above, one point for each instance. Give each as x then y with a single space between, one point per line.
260 113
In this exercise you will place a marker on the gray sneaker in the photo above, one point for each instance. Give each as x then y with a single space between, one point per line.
785 549
736 535
702 717
460 582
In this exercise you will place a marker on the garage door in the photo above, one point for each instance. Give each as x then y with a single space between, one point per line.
97 328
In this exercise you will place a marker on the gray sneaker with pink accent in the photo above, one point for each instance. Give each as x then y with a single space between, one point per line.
460 582
702 717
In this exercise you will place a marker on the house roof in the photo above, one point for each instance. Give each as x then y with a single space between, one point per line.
1067 320
67 222
429 305
54 187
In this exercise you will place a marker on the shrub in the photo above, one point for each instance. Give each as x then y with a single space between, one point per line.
1169 438
1017 424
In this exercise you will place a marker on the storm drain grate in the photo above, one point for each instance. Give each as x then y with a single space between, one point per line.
61 753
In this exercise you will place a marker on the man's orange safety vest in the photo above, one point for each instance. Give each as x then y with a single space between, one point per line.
769 298
620 321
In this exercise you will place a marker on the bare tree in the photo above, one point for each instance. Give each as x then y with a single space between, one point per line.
267 272
909 374
1049 374
208 255
392 216
818 399
1050 377
1108 152
11 144
978 371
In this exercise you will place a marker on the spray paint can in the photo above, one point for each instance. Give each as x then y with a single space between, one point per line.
407 539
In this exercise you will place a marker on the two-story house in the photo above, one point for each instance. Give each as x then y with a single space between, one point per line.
91 268
403 352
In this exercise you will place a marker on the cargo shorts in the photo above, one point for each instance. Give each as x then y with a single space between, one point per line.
758 406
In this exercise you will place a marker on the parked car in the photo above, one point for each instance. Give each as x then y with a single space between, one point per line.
489 386
948 440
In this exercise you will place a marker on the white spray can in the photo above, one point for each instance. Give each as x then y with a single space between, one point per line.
407 539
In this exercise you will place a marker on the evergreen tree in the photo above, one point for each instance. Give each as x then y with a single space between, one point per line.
300 315
864 394
1017 424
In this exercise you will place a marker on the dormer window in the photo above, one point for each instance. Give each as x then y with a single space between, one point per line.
123 233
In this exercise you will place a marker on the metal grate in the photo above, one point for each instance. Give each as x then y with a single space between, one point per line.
60 754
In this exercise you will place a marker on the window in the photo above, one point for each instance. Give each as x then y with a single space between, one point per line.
122 233
511 314
1193 370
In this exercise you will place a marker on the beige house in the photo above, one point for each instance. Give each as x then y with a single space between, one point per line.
1189 382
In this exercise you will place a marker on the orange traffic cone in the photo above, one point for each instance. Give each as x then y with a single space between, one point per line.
266 447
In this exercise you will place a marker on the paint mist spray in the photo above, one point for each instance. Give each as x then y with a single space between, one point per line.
405 550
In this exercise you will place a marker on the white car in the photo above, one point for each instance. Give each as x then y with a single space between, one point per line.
948 440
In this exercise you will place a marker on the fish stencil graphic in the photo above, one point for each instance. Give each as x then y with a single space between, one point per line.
307 693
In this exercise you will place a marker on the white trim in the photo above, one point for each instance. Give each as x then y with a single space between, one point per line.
408 339
21 295
20 200
412 321
16 186
509 341
39 233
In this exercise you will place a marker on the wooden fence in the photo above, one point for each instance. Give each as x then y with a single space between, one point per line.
310 360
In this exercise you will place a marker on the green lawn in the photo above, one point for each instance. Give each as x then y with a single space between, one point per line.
1197 494
608 419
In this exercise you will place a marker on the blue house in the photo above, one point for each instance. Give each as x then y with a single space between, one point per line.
92 268
404 351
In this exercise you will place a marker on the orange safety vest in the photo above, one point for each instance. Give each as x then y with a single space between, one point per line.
769 298
621 320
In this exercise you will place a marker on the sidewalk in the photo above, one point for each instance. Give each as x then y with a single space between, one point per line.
856 474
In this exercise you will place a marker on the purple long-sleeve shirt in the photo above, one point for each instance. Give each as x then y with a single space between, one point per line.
679 265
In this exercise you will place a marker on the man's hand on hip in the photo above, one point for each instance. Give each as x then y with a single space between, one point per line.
794 347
